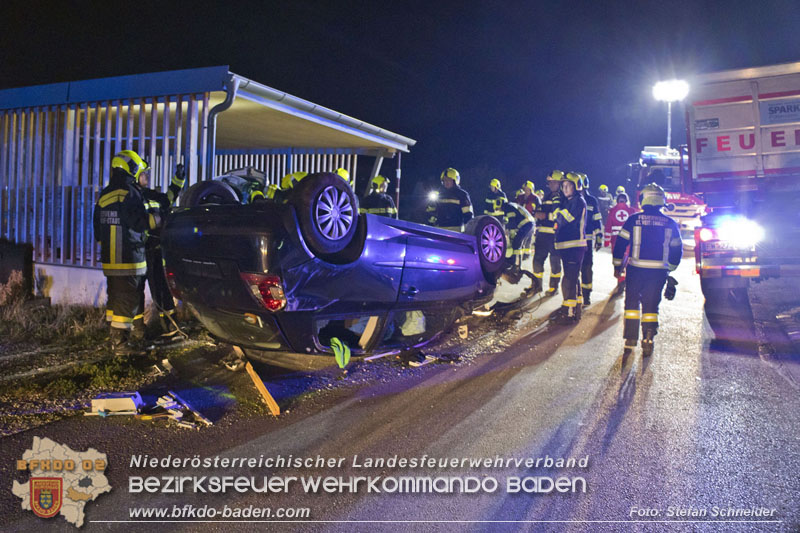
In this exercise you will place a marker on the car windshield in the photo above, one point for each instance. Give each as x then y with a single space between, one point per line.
669 177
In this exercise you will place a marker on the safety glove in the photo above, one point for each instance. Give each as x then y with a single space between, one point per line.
598 242
669 292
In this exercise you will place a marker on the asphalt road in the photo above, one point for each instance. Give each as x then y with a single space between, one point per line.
692 428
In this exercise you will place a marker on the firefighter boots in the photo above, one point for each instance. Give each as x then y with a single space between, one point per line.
648 343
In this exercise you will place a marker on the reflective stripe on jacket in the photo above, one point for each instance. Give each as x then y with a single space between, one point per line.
378 203
571 224
655 240
120 220
452 209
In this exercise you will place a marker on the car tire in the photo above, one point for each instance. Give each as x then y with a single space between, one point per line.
327 211
491 241
208 192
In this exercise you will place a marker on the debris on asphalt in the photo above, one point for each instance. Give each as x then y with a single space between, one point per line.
262 389
422 360
117 402
197 414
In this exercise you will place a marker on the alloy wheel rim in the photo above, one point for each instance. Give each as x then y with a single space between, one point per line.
334 213
492 243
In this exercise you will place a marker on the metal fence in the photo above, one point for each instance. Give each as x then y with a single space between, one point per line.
55 160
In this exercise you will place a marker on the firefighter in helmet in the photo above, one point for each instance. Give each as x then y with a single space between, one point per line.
158 205
605 200
527 197
570 241
378 202
519 225
451 208
545 235
120 221
495 199
656 250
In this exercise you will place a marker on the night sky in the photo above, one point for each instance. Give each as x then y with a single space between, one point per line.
508 90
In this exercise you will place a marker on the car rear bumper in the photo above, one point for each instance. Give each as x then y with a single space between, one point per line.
259 331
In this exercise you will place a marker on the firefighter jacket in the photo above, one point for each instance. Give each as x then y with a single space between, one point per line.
120 222
451 210
551 203
594 220
655 241
616 218
606 202
157 204
378 203
494 203
514 217
531 203
571 223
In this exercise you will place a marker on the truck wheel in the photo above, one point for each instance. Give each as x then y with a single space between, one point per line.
491 245
327 210
208 192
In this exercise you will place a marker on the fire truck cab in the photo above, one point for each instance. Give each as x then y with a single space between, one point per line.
667 167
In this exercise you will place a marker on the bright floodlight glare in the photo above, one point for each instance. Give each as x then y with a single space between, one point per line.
433 196
706 234
670 90
740 232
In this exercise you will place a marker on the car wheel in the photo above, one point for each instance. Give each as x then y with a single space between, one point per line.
491 241
327 210
208 192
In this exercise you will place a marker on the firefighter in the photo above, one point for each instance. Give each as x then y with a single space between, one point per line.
616 218
545 235
605 200
377 202
594 241
656 250
539 194
451 208
158 204
525 196
620 190
570 241
495 199
120 221
519 228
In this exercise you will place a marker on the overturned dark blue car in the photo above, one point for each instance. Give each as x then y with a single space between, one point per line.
281 279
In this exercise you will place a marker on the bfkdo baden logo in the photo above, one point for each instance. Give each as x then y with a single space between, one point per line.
46 495
62 481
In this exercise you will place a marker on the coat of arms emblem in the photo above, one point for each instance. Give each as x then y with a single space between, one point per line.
46 496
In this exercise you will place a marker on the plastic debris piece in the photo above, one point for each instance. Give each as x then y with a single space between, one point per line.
197 414
117 401
262 389
422 362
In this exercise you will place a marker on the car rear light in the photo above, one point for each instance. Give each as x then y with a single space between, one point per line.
172 283
266 289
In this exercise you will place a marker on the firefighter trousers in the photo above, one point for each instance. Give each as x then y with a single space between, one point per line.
586 273
643 288
521 243
572 259
125 308
157 280
544 246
